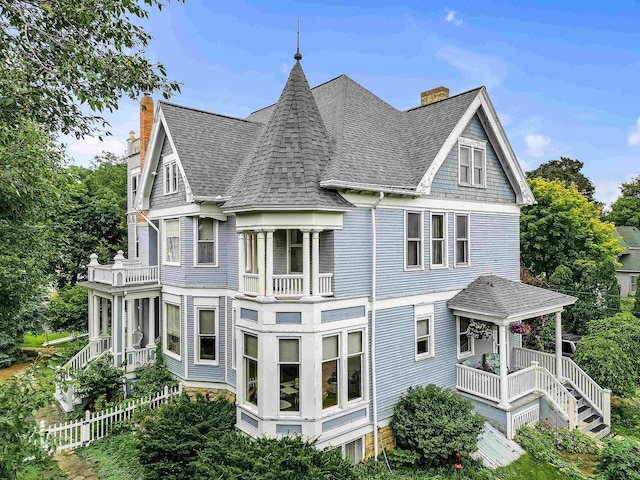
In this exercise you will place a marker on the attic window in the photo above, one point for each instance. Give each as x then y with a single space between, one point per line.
170 176
472 171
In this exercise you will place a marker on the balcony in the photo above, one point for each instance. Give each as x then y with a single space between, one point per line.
122 272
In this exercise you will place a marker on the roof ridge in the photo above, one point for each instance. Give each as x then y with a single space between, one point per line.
185 107
445 99
491 280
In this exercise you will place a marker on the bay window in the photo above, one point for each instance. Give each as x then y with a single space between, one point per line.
354 365
330 363
250 355
172 328
289 371
172 241
206 241
206 338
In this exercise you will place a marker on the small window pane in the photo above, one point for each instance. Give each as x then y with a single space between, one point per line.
329 347
437 226
355 342
205 228
461 226
207 322
422 346
422 328
465 156
413 253
413 225
437 248
207 348
330 383
354 375
461 252
296 237
251 346
464 324
296 260
172 228
289 350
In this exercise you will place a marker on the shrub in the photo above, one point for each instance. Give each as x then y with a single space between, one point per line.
435 423
235 455
68 309
623 329
605 362
635 311
153 378
101 382
171 439
620 459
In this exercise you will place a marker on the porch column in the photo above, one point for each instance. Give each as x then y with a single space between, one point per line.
559 375
103 316
269 279
504 388
241 259
305 263
262 277
130 315
151 319
315 263
94 333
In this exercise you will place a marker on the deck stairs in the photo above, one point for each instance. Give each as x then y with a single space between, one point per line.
589 420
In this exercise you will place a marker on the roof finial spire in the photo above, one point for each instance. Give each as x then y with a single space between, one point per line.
298 55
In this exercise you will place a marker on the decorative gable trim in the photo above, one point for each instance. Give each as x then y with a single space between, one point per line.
496 134
150 168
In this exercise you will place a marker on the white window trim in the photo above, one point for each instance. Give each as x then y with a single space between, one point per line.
420 267
165 350
245 403
445 253
164 242
135 172
299 363
472 342
473 144
363 359
195 243
172 162
455 241
431 345
234 320
339 403
196 335
136 242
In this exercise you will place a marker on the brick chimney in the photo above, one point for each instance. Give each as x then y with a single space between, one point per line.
433 95
146 122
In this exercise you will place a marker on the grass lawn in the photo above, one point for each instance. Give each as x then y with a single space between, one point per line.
527 468
30 340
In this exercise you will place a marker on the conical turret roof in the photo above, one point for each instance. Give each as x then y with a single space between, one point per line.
283 170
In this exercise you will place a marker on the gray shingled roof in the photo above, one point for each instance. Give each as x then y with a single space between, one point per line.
501 298
283 169
210 146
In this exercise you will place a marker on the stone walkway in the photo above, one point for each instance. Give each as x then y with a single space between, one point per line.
75 467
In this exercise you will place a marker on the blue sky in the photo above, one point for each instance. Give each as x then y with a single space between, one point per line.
563 76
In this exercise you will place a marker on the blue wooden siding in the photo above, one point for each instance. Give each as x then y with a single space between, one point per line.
207 373
494 248
326 251
498 188
352 269
157 198
396 367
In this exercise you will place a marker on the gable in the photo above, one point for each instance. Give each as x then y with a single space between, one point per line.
498 187
157 197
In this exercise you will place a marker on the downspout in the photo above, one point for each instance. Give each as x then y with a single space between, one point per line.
374 383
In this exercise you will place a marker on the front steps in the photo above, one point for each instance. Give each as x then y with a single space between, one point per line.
589 421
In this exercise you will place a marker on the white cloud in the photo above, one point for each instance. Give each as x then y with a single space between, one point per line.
284 69
537 145
634 134
483 69
452 17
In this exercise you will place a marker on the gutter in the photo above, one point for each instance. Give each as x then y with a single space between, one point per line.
374 383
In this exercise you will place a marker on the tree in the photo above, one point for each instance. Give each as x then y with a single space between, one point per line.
563 228
64 57
568 171
68 309
625 211
636 304
598 295
631 189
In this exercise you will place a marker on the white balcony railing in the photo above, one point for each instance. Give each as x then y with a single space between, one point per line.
287 284
122 272
251 283
326 284
139 357
478 382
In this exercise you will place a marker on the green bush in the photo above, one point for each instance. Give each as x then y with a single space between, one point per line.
235 455
620 459
68 309
636 304
607 363
623 329
153 378
171 438
101 382
435 423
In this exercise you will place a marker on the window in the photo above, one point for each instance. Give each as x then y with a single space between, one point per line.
462 240
438 240
250 354
424 336
172 241
471 162
413 235
172 319
170 177
330 379
206 241
354 365
633 285
465 343
136 251
251 252
206 350
353 451
294 240
289 368
135 180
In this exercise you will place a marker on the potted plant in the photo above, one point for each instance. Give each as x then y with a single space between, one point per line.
479 330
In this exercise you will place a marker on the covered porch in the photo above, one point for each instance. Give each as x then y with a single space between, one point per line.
510 374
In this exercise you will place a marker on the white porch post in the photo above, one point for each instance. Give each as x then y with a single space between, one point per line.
131 316
305 263
559 375
262 277
151 319
241 260
315 263
504 388
103 317
269 279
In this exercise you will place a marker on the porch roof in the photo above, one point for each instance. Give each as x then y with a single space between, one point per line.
494 297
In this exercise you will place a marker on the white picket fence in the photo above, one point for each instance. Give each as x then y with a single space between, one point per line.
95 425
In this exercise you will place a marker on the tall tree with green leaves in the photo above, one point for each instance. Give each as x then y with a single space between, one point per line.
625 211
569 172
563 228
